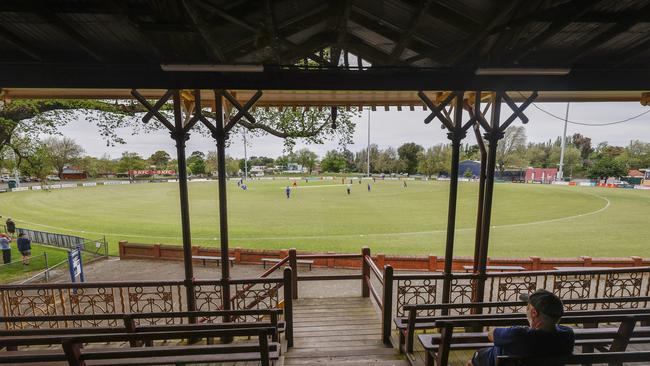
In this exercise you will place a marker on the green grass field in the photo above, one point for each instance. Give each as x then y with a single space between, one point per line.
17 271
551 221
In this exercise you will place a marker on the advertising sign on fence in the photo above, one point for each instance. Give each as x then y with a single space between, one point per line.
152 172
75 265
89 184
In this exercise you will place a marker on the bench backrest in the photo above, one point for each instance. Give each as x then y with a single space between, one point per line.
77 356
577 359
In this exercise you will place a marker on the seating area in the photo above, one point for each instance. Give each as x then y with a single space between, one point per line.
217 260
145 338
623 324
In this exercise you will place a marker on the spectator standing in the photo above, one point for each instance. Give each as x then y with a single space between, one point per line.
24 247
6 249
11 226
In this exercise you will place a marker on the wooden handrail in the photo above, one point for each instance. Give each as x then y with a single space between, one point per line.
600 300
174 314
374 294
325 255
373 267
469 276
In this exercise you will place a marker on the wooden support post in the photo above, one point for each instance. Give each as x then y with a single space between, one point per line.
72 351
387 305
293 263
365 272
288 305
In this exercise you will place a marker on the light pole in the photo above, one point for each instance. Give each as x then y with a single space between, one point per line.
368 149
560 173
245 157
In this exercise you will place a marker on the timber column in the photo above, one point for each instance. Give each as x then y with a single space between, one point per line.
179 133
219 134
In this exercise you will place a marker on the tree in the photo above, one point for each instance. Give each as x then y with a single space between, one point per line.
39 164
572 158
512 148
387 161
130 161
582 143
33 118
607 166
334 161
311 125
106 166
361 159
160 159
196 163
62 151
307 158
408 153
434 160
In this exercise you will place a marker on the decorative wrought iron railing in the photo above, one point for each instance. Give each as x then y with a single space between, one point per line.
507 286
101 298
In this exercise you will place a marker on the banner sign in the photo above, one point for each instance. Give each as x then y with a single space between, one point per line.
152 172
90 184
75 265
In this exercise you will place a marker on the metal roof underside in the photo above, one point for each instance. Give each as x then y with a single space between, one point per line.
424 44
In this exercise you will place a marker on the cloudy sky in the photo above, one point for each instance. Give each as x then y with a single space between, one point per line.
392 128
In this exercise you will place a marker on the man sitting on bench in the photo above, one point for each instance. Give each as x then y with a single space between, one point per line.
544 337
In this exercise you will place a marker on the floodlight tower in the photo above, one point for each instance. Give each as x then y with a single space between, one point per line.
560 173
368 148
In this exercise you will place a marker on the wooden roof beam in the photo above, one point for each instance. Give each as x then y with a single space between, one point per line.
54 20
418 14
577 9
272 28
341 29
607 35
631 53
19 43
209 39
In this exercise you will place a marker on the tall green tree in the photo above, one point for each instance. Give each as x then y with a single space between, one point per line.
160 159
607 166
307 158
62 151
511 150
408 153
334 162
130 161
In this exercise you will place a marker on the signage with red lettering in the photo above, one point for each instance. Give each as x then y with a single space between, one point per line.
152 172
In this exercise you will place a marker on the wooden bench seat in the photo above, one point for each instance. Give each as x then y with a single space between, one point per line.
208 258
408 325
578 359
438 346
264 351
497 268
307 262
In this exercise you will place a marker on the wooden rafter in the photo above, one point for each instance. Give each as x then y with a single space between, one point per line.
63 26
623 26
202 27
341 29
19 43
578 8
271 28
418 14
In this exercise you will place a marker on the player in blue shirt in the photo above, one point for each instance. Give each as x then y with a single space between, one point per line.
544 337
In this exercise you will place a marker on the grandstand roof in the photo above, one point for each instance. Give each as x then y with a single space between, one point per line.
571 45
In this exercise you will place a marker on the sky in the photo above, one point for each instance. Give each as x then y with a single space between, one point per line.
388 128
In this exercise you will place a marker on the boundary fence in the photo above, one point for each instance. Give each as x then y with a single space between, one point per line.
96 247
